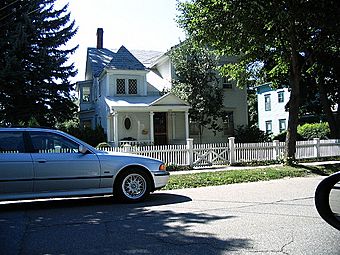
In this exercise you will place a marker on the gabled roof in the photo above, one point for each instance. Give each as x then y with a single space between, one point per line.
147 57
98 59
105 58
124 60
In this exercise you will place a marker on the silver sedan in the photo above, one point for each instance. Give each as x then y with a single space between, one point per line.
40 163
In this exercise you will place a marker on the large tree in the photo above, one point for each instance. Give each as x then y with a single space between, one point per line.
34 68
196 81
273 39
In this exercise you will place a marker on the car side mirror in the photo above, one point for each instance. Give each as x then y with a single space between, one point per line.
82 149
327 200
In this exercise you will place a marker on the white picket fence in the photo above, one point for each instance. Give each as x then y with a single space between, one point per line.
199 155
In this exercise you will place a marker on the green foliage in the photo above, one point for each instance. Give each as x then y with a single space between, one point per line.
275 41
32 122
196 180
88 135
307 132
214 178
252 108
197 83
175 167
34 71
103 145
282 137
315 130
250 134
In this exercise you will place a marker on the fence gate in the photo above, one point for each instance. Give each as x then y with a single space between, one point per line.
210 154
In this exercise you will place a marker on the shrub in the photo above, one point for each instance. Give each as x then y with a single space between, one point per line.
88 135
282 137
103 145
250 134
314 130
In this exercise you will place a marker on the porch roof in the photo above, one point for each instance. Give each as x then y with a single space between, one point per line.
167 102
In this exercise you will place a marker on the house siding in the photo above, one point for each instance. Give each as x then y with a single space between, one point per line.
277 110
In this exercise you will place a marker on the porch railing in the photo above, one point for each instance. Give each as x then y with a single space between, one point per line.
135 143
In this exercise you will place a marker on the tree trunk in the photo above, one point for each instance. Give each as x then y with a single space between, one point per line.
294 103
331 118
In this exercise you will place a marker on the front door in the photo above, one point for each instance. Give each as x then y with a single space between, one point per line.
160 128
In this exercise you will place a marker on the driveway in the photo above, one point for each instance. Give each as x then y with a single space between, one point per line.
274 217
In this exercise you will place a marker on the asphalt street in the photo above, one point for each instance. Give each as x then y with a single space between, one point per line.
273 217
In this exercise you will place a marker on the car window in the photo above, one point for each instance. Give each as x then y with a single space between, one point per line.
11 142
44 142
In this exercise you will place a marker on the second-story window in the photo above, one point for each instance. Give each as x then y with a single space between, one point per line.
280 97
126 87
132 86
267 104
86 94
121 87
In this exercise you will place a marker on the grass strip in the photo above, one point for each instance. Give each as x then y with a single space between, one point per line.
195 180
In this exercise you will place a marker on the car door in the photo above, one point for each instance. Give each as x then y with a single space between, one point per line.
58 165
16 166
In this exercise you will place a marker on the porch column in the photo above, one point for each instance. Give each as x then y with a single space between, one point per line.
173 120
109 128
186 124
138 130
151 128
115 129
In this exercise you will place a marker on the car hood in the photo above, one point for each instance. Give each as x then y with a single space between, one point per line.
124 154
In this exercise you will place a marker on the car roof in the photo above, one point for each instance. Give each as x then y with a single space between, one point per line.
26 129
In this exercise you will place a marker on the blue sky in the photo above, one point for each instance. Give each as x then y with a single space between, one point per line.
136 24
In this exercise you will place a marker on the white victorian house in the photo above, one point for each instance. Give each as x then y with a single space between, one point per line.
123 92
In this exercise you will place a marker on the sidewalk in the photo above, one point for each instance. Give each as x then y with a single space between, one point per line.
230 168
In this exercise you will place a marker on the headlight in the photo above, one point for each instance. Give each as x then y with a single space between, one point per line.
162 167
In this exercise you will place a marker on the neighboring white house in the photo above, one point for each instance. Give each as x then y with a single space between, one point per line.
272 116
123 92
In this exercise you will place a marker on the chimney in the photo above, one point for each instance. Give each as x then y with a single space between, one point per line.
100 32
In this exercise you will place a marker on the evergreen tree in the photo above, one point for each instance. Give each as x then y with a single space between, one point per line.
34 73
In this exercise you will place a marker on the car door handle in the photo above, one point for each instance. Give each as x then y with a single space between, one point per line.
41 160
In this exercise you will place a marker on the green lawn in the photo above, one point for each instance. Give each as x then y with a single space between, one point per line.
215 178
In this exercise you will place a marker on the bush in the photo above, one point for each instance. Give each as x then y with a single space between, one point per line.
175 167
282 137
88 135
250 134
314 130
103 145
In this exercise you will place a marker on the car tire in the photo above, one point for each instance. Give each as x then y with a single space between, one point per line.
132 186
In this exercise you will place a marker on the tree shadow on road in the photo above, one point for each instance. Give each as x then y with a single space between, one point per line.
160 225
323 170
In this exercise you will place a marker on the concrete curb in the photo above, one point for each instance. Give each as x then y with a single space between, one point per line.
230 168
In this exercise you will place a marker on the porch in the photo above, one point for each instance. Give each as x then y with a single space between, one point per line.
147 121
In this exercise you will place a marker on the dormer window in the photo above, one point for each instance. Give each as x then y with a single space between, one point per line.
121 87
132 86
126 87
